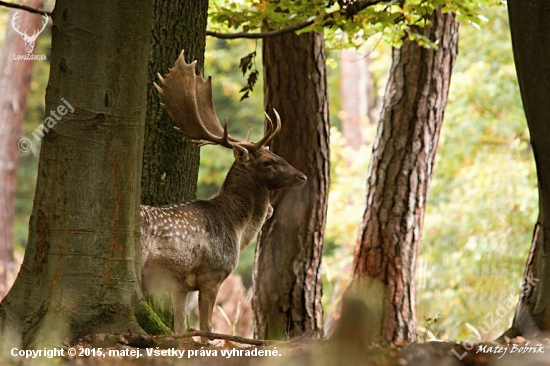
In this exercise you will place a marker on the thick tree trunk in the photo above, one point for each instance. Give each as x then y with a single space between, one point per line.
15 80
81 268
529 25
287 272
170 164
400 171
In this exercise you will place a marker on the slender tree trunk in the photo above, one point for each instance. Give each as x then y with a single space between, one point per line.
353 88
15 80
81 268
400 171
170 164
287 272
530 26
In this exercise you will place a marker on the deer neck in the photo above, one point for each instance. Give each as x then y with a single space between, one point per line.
246 198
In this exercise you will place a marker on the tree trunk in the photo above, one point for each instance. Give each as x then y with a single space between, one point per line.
81 268
287 272
170 164
399 175
353 88
524 323
529 25
15 80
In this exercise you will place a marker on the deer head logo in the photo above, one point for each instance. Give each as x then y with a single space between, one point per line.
29 40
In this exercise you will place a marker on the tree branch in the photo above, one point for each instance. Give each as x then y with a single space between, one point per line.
24 7
275 33
349 12
198 333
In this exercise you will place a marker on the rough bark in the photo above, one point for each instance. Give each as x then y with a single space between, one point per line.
287 272
81 268
15 80
529 25
170 164
399 175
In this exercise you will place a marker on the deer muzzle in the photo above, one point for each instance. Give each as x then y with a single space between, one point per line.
300 179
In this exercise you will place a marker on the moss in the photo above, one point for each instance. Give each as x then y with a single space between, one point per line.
153 316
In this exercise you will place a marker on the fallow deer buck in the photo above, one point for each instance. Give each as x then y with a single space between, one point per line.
195 245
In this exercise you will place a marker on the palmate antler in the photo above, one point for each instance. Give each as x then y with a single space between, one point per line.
188 100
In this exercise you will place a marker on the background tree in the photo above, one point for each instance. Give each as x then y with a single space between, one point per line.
15 80
83 238
531 45
360 107
287 272
170 164
399 174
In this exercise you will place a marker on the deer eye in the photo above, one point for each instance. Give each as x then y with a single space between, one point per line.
267 163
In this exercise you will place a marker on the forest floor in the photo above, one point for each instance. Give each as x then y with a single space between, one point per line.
166 350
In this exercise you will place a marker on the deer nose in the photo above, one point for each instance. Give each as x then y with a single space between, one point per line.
301 178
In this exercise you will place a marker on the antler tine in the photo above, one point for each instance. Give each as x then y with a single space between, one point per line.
224 141
248 133
271 132
225 133
188 100
269 135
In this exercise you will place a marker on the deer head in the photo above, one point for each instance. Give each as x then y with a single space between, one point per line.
29 40
188 100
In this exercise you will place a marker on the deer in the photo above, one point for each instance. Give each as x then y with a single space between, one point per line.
195 245
29 40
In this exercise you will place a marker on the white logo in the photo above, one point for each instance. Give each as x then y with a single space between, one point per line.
29 40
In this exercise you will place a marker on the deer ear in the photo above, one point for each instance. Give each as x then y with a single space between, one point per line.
241 154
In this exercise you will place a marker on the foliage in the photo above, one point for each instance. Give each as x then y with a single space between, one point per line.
248 65
395 20
266 15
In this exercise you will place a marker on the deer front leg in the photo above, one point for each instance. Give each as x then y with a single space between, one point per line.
179 304
207 298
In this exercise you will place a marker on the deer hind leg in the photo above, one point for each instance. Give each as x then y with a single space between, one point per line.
179 303
207 298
